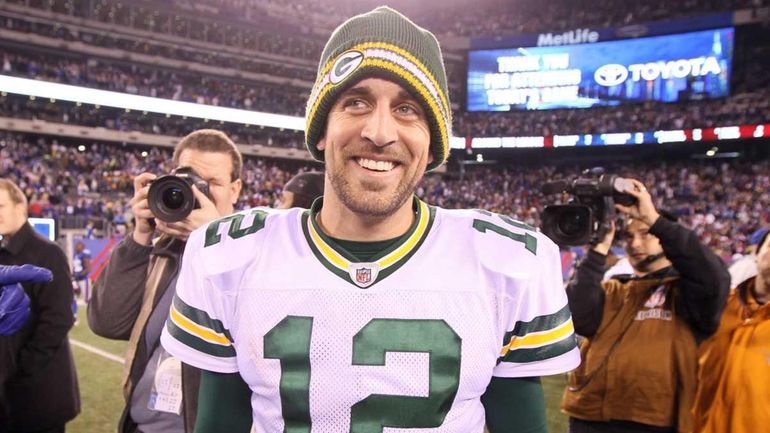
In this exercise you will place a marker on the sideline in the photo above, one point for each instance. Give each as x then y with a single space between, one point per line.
97 351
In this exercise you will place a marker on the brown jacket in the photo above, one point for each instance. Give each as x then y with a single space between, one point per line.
640 365
639 355
734 369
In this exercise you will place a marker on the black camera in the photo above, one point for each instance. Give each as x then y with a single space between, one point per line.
171 196
585 219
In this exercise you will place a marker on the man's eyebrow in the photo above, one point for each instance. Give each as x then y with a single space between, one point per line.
403 94
357 91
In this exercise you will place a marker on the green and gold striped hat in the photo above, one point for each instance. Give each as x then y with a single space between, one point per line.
385 44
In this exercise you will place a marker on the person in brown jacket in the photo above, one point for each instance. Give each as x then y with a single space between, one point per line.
641 331
734 366
133 294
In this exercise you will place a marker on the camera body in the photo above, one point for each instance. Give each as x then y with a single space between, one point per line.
585 220
171 197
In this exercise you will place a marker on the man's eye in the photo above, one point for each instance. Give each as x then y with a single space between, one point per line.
407 109
353 102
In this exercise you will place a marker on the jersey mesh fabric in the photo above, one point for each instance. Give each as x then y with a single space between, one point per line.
476 286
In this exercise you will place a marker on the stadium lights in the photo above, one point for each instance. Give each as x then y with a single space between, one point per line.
83 95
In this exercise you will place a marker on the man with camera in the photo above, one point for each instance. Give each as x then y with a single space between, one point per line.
642 331
133 294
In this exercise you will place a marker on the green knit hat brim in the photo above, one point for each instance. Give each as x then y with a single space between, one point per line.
382 44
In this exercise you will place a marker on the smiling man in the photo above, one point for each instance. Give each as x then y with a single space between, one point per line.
373 310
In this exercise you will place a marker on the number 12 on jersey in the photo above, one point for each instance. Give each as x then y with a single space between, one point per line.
289 341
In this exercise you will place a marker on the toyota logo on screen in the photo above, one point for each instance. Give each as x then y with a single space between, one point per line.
611 74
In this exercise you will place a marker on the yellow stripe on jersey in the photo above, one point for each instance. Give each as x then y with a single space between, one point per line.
339 261
398 253
197 330
539 339
328 252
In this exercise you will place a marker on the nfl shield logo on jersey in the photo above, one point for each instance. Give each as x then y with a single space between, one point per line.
364 274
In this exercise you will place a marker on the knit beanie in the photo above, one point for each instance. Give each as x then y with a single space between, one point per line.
383 44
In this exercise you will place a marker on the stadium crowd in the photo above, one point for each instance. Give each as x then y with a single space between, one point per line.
491 17
748 106
96 180
724 202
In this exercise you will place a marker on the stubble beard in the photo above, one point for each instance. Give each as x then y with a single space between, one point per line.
370 202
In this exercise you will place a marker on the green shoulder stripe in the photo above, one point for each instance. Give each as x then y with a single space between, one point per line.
197 343
539 324
201 317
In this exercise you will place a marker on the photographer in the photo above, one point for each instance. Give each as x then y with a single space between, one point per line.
133 294
641 331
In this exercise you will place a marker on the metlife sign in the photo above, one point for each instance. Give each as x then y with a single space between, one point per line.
577 36
570 71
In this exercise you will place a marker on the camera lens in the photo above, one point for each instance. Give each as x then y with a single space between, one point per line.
572 223
173 198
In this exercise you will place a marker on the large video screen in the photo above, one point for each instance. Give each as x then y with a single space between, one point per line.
667 68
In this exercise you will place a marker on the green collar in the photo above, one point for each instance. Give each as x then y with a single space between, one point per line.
347 266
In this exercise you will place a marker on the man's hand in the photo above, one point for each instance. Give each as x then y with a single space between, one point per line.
643 210
14 302
140 207
604 246
198 217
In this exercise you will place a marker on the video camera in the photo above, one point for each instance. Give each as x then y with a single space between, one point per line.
585 219
171 196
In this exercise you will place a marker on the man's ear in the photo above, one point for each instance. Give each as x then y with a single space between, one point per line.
235 190
321 145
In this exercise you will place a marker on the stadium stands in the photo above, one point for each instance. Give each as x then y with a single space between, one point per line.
260 55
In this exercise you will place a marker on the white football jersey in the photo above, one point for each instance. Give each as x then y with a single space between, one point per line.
408 341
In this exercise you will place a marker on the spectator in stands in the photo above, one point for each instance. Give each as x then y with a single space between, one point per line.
734 374
301 190
640 351
132 295
38 383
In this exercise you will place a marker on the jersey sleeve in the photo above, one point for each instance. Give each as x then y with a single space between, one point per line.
539 337
202 314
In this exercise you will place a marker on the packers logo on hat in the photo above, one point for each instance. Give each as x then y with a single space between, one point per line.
345 65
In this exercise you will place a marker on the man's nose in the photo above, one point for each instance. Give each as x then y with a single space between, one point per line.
380 127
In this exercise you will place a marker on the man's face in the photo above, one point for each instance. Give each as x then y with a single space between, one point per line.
763 261
12 215
376 147
640 244
214 168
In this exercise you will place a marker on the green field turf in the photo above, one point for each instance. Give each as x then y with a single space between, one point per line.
102 399
100 381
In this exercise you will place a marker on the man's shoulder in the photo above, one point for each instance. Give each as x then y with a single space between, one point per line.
238 239
42 245
498 240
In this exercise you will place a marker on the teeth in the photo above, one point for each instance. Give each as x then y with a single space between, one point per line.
376 165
